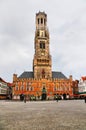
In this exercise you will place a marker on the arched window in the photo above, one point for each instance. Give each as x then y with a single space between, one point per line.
55 89
22 88
44 21
42 45
27 88
16 88
37 33
43 73
16 83
38 20
30 88
41 20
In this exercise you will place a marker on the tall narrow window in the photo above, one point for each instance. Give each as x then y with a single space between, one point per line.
30 88
38 33
16 88
22 88
41 20
38 21
44 21
42 45
27 88
43 73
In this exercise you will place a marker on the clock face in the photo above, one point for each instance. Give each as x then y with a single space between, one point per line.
42 53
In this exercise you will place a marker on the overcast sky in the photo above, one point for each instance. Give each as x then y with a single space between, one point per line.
66 20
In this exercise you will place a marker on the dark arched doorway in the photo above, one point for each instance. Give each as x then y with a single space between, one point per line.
21 97
44 94
64 96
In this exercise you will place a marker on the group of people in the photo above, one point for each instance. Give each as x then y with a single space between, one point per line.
23 98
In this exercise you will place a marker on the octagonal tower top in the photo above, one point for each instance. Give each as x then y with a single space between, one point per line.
41 20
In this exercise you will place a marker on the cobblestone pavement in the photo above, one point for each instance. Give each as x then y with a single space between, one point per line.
43 115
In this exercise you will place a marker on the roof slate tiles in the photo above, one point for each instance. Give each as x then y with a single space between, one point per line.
29 74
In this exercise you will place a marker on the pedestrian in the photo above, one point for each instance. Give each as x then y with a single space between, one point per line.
85 99
56 98
24 98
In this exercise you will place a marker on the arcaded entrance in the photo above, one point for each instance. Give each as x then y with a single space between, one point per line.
44 94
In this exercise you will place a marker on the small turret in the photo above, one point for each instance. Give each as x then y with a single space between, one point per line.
14 77
41 20
70 77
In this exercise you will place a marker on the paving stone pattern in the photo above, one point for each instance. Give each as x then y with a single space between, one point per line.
43 115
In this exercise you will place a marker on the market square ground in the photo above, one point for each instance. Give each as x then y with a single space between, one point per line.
43 115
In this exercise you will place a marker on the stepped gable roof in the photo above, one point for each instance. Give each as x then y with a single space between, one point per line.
29 74
26 74
58 75
2 80
8 84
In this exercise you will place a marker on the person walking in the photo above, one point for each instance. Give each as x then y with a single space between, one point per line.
57 98
85 99
24 98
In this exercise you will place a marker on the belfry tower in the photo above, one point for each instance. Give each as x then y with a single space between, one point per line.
42 83
42 59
